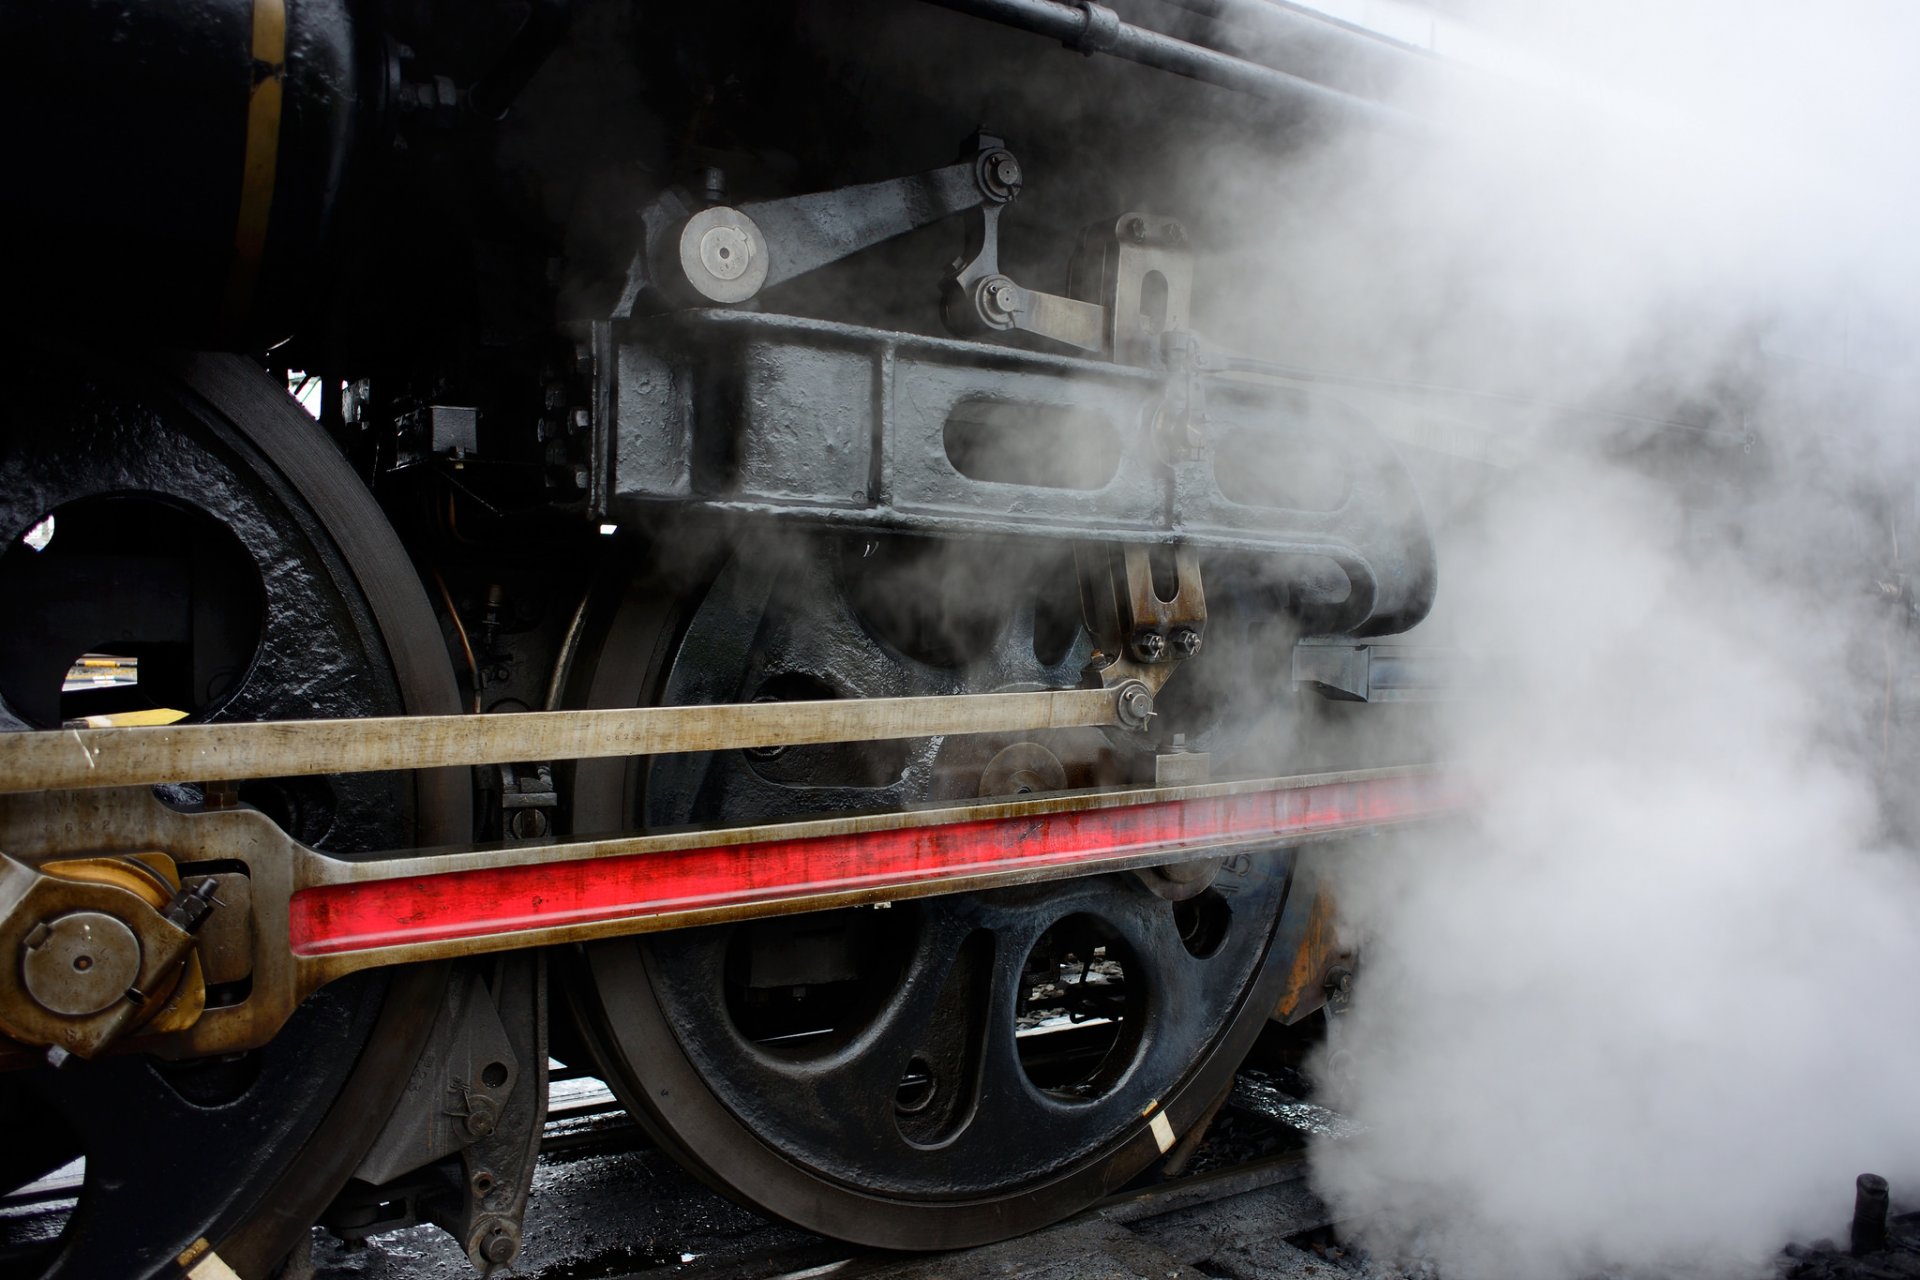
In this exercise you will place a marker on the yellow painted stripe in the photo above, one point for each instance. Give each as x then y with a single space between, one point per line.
261 160
150 716
1162 1132
200 1262
213 1267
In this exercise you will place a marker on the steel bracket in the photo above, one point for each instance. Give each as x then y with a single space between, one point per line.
1138 269
735 415
461 1147
1342 669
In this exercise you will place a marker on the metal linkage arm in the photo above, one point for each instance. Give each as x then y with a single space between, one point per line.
89 759
808 232
981 299
725 254
297 919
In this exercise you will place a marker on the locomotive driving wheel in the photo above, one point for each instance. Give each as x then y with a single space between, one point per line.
939 1072
195 525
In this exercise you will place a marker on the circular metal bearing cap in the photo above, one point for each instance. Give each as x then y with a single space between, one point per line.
1134 707
1022 769
723 256
80 963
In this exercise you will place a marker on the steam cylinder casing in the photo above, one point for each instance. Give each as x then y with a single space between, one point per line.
163 182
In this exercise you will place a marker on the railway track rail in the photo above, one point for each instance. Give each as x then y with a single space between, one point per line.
295 920
315 919
1241 1195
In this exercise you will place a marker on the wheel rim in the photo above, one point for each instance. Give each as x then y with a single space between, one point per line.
892 1076
241 1152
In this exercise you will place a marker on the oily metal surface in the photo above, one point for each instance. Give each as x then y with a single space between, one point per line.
944 437
1297 809
607 1203
811 1126
728 1154
81 964
356 914
989 1113
71 759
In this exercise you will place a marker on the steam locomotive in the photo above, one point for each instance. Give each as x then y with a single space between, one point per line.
740 548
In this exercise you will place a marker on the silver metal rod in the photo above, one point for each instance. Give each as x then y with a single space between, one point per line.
1282 22
1093 28
67 759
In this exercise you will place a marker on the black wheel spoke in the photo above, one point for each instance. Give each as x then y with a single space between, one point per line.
910 1074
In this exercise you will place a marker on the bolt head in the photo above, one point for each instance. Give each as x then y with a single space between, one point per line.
1150 645
1186 642
527 824
1000 174
482 1116
1137 230
1176 233
726 252
998 299
79 964
1135 706
500 1247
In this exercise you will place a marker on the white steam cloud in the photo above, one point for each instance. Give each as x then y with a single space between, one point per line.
1658 1000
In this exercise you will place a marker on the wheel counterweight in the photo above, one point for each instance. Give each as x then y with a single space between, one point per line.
942 1072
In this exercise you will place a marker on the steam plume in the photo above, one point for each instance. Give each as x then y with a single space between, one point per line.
1652 1005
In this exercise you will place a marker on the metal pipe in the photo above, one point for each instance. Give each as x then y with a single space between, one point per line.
1094 28
1869 1234
1274 21
1304 373
1266 20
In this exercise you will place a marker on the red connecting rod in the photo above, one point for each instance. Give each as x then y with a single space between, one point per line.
782 868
